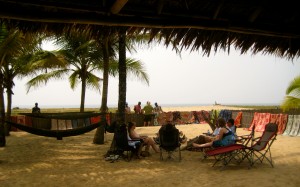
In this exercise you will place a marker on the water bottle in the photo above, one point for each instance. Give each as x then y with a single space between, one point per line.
208 132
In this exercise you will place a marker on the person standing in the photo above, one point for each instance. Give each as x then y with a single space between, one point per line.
148 112
137 108
36 109
157 110
127 109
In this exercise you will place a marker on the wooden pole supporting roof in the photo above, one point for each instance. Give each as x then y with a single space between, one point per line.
117 6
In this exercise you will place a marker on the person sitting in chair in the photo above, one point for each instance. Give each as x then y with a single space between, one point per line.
182 137
147 140
36 109
201 139
225 137
231 126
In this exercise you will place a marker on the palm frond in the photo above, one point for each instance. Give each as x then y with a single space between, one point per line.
290 102
134 67
93 82
292 98
137 69
294 85
44 78
73 79
47 59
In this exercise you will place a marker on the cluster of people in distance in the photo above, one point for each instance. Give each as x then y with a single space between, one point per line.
148 111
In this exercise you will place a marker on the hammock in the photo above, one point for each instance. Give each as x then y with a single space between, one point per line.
80 123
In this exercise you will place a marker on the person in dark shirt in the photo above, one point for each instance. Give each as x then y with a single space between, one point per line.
137 108
36 109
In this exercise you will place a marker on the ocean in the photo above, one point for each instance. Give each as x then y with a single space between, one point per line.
163 105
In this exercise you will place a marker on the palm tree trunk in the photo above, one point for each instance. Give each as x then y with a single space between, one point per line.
122 75
83 89
8 109
2 113
99 135
122 82
105 76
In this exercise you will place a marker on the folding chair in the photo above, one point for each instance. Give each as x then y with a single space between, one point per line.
235 152
246 139
169 141
261 146
258 151
123 144
226 154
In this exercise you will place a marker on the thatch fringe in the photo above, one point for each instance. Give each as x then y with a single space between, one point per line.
187 39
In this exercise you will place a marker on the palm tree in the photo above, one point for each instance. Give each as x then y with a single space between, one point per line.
292 98
86 56
6 40
20 66
83 58
15 51
110 45
134 68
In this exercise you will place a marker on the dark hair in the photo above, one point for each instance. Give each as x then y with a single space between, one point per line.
130 124
231 121
221 122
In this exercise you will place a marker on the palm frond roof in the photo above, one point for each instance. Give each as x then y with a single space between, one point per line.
252 25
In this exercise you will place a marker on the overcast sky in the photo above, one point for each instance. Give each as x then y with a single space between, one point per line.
191 79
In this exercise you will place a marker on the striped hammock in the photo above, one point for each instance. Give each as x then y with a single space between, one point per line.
57 125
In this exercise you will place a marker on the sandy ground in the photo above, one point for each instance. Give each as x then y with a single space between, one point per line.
199 108
30 160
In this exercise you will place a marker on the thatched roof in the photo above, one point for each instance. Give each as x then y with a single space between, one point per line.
253 25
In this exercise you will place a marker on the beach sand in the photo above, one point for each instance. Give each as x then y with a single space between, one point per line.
199 108
30 160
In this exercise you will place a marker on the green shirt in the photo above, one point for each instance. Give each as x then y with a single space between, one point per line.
148 109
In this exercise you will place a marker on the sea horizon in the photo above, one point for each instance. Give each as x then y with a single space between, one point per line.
162 105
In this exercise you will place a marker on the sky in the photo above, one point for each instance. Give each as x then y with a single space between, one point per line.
189 79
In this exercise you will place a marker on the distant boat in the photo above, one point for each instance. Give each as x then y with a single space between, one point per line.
217 103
